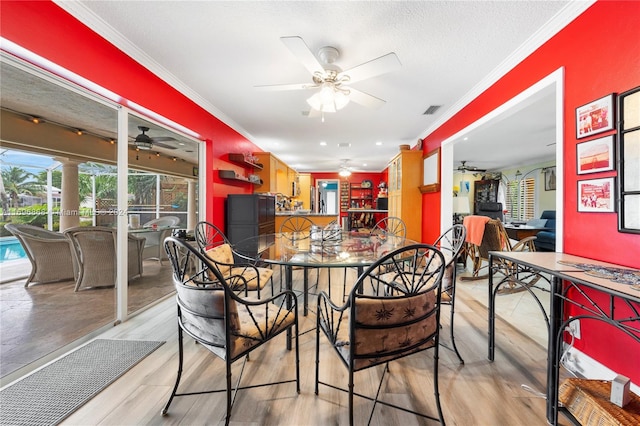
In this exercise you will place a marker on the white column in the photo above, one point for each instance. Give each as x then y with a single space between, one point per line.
70 198
191 205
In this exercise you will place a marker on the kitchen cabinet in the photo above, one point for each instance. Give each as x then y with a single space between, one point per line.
484 191
276 176
250 215
404 197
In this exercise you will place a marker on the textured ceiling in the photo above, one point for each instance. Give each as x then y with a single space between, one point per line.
216 52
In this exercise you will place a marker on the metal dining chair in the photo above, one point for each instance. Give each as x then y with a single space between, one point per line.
390 225
386 317
293 225
450 243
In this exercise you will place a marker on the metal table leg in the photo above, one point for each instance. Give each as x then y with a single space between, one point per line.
555 320
492 313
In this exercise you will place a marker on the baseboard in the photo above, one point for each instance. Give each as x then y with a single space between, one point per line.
588 368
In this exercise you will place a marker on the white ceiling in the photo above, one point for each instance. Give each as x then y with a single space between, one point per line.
216 52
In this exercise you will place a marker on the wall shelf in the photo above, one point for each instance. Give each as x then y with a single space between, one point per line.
240 159
232 175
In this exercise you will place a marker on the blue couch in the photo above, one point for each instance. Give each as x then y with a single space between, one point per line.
546 240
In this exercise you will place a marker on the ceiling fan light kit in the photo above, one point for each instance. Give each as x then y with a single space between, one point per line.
329 99
329 79
143 141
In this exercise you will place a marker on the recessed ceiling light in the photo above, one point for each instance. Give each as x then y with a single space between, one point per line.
364 164
465 138
323 143
378 143
181 143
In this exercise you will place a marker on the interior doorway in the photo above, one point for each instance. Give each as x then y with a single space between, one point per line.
327 196
552 83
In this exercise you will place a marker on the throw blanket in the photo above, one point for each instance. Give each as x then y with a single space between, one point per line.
475 228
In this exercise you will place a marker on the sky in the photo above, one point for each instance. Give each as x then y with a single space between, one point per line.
33 163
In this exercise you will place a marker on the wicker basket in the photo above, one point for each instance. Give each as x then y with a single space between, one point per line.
589 402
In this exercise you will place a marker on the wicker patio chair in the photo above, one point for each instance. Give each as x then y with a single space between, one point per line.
50 253
95 252
154 240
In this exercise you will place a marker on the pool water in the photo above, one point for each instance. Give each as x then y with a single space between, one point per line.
11 249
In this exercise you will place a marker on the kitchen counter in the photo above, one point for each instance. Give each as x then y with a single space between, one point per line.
320 219
293 213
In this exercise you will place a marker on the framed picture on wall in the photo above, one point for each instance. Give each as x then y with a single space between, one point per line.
595 155
596 195
595 117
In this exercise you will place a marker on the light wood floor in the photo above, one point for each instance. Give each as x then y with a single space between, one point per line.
476 393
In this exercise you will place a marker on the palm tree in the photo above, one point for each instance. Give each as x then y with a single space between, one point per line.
18 181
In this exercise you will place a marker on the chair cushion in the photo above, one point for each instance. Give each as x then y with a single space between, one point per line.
221 254
249 274
249 326
224 254
384 327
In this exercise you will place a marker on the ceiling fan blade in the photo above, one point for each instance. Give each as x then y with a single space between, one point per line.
279 87
365 99
164 145
163 139
298 47
374 67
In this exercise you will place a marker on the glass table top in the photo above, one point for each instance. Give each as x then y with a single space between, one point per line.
320 248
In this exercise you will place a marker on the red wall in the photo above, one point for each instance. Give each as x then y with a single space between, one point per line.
47 30
599 53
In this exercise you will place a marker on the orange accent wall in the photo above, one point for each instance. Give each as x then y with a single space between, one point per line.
599 53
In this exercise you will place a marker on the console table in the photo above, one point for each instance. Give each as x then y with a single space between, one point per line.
565 272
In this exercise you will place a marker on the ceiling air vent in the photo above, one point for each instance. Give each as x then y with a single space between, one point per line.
431 110
344 145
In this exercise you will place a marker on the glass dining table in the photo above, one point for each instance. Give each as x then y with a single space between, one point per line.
319 248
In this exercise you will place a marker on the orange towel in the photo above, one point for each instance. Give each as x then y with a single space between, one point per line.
475 228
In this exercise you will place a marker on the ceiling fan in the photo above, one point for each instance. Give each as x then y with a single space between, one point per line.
146 142
464 168
330 82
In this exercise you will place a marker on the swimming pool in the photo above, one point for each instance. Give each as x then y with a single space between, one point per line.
11 249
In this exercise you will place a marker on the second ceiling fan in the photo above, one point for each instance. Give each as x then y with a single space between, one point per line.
330 82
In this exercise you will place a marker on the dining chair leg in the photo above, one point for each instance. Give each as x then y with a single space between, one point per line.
180 361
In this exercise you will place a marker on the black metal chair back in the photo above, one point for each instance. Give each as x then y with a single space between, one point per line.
451 243
393 311
210 311
209 235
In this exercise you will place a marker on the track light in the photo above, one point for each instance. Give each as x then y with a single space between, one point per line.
79 132
36 120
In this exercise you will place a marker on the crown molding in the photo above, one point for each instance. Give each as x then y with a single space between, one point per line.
85 15
561 19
